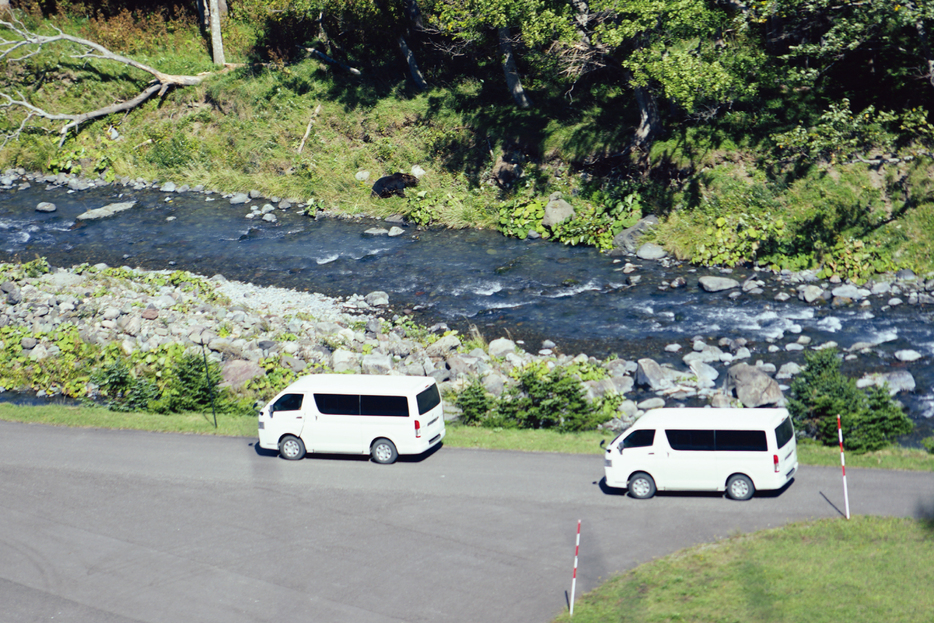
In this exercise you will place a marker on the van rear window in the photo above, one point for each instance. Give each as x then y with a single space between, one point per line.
395 406
428 400
784 432
741 441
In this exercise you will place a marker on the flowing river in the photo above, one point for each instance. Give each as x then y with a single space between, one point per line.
529 290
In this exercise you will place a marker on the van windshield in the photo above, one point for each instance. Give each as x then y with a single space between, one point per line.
784 432
428 400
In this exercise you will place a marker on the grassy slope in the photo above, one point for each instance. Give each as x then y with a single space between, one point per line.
865 570
457 436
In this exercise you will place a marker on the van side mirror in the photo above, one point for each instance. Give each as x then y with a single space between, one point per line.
602 442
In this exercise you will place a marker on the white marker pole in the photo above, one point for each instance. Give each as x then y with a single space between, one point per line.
846 497
577 549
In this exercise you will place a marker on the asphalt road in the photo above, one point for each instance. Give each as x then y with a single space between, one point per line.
102 526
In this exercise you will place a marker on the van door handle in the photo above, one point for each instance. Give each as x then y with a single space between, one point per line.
651 453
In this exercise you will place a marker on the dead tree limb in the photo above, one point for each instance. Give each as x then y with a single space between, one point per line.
27 44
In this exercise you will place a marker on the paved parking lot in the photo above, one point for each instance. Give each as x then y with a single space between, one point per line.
116 526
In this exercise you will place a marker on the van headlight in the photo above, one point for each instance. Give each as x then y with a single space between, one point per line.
607 462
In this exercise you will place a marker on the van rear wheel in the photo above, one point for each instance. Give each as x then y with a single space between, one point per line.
641 486
384 452
740 487
291 448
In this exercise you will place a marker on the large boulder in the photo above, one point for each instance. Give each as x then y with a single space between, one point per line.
752 386
897 380
236 372
377 364
557 211
656 377
711 283
443 346
500 347
628 239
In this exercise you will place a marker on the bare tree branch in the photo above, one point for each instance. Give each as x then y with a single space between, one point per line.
34 42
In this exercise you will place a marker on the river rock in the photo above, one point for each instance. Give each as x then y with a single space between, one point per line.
907 355
39 353
788 370
45 206
706 375
651 251
494 383
897 380
28 343
374 232
443 346
628 240
557 211
345 361
168 187
752 387
377 364
501 346
652 403
108 210
653 375
377 298
711 283
395 231
810 293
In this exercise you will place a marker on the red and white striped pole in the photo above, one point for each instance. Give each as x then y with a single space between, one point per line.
577 549
846 497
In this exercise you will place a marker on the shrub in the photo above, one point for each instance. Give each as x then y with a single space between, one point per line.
188 388
124 391
544 399
475 403
870 421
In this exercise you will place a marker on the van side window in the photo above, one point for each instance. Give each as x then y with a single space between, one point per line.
784 432
695 440
640 439
288 402
395 406
742 441
428 399
338 404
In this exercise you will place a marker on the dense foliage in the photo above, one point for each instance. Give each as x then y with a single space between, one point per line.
869 420
540 399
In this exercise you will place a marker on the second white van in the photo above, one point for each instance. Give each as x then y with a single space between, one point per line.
383 416
734 450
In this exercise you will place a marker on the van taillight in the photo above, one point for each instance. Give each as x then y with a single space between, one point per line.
418 434
775 461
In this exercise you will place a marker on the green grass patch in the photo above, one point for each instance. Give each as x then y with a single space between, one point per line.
99 417
525 440
865 570
458 436
911 459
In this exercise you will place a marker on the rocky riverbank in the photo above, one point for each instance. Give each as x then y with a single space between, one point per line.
250 329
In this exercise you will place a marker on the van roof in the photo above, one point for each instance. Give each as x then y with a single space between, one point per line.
362 384
693 417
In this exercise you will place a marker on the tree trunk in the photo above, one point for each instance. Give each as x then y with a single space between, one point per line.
416 73
217 42
413 13
509 68
649 122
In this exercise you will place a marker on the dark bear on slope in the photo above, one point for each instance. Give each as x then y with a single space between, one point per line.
394 184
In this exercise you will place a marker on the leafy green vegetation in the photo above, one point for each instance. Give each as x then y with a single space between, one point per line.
542 398
863 570
869 420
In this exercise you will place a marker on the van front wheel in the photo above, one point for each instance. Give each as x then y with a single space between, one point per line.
384 452
291 448
739 487
641 486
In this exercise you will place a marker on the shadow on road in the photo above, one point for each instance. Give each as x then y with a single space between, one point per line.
417 458
608 490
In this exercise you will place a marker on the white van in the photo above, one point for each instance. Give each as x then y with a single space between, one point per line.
383 416
732 450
